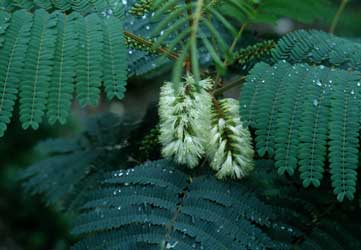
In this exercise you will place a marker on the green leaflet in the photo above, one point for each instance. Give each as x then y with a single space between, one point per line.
61 85
115 55
4 24
288 119
89 55
313 128
38 62
11 63
344 129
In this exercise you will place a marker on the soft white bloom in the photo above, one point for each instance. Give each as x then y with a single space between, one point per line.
185 120
230 150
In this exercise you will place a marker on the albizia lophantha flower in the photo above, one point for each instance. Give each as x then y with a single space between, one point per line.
184 120
230 150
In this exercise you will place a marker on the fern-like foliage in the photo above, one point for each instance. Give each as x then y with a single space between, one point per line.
158 206
198 21
317 47
250 55
317 220
299 123
189 25
84 7
45 54
70 163
141 7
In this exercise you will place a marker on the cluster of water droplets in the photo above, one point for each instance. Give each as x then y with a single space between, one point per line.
107 13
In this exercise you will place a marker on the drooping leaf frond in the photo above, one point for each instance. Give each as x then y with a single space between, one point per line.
39 52
297 111
317 47
37 65
158 205
12 60
317 220
84 7
88 68
70 163
61 87
161 205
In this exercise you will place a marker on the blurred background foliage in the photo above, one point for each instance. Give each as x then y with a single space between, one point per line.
26 223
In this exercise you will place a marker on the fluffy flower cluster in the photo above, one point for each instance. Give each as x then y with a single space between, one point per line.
229 148
192 126
184 115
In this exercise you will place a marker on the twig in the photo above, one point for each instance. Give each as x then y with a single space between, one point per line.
337 16
171 55
228 86
188 62
230 51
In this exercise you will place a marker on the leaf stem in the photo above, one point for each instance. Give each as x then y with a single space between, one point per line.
239 81
233 45
337 15
188 62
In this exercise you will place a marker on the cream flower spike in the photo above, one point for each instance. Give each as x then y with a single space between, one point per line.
184 120
229 150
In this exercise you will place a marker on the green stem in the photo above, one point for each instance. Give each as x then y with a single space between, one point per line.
235 83
233 45
337 16
236 39
193 39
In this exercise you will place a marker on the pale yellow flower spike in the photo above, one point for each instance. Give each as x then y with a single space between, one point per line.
229 149
184 120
